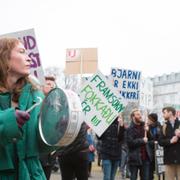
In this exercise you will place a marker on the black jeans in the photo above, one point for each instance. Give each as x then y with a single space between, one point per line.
144 171
74 165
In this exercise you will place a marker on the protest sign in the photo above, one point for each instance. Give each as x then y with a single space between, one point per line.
159 159
127 83
28 38
100 102
81 61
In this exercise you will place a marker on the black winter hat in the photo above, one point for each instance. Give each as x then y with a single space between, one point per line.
153 117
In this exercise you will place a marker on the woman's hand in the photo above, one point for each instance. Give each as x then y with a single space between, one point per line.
21 117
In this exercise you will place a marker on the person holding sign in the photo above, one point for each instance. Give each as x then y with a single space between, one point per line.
19 138
110 149
140 155
170 140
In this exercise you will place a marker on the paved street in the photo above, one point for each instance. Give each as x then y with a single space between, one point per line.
96 174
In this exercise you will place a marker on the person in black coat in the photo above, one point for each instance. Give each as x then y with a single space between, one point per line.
170 140
140 155
110 148
73 159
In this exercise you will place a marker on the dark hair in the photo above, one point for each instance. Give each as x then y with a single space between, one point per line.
169 109
51 78
153 117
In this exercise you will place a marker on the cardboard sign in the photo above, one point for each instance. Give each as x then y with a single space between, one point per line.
127 83
100 102
28 38
81 61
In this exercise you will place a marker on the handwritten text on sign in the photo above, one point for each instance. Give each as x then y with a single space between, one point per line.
127 82
100 102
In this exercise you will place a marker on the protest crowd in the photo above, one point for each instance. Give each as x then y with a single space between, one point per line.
144 148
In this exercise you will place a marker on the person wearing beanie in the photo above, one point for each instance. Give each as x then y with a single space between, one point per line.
153 117
154 131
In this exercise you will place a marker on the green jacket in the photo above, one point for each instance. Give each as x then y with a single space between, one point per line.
26 141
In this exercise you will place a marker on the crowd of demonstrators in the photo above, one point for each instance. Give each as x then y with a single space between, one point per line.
141 138
110 149
20 141
21 145
48 160
170 140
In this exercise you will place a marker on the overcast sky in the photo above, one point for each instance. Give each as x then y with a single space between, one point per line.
140 35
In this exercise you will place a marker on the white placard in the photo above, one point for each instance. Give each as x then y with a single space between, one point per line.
127 83
101 103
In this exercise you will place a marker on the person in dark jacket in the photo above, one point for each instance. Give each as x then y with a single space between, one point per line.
154 131
110 149
123 166
170 140
73 159
140 154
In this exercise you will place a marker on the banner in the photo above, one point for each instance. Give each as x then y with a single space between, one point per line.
127 83
100 102
28 38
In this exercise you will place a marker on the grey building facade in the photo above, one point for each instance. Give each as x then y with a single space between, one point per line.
166 91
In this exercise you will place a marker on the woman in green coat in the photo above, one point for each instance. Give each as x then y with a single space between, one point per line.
19 135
